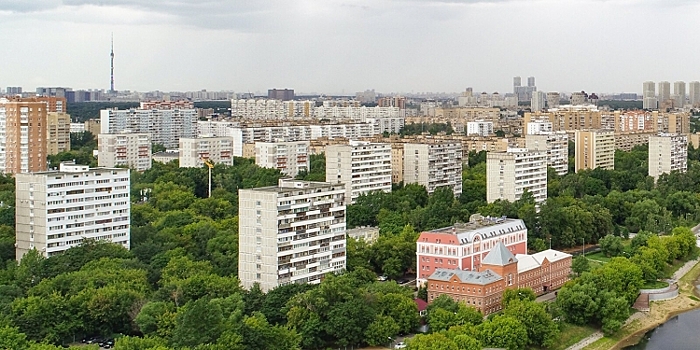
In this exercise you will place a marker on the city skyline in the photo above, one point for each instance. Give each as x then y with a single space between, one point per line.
343 47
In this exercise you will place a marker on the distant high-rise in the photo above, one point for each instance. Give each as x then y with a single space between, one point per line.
664 91
679 93
516 82
279 94
538 101
649 95
553 99
531 81
524 93
694 93
14 90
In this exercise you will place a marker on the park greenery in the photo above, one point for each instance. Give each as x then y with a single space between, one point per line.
177 287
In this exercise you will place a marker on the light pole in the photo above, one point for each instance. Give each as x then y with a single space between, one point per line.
210 165
583 246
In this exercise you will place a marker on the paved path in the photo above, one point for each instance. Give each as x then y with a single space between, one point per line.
586 341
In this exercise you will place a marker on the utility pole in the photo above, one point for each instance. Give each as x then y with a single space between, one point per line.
210 165
583 246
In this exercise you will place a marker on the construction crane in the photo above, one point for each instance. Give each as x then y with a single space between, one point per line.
210 165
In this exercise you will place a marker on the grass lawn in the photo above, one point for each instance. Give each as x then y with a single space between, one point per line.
654 285
570 335
599 256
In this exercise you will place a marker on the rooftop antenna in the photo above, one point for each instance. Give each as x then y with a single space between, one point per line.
111 55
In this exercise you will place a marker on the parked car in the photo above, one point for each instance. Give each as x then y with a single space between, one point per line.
382 278
400 345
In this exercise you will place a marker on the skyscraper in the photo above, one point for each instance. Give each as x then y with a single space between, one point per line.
23 146
649 95
694 93
531 81
664 91
516 82
538 101
679 93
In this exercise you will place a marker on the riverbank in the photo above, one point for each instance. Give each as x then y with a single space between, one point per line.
660 312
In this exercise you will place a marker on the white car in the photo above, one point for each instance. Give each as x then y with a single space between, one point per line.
400 345
382 278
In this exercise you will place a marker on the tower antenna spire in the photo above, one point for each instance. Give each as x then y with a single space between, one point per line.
111 55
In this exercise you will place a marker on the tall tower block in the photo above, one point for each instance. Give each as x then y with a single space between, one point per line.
111 73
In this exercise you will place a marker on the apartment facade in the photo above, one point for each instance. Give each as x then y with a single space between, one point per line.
288 157
23 142
362 166
480 128
556 146
509 174
434 165
58 128
124 149
291 233
57 210
667 153
464 245
193 151
167 122
501 270
595 149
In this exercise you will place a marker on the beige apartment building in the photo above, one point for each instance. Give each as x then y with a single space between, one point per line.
510 173
555 145
434 165
58 132
24 147
565 118
625 141
362 166
667 153
193 151
291 233
595 149
93 126
288 157
124 150
58 209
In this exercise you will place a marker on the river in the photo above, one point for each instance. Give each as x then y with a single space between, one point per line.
678 333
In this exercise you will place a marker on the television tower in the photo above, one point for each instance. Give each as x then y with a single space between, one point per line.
111 86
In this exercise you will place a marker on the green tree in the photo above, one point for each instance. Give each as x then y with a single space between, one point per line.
434 341
11 338
380 330
504 332
198 322
517 294
580 264
541 329
611 245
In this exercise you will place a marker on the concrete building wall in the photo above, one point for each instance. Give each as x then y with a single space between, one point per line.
667 153
58 132
24 146
288 157
434 165
509 174
595 149
362 166
556 146
130 150
193 151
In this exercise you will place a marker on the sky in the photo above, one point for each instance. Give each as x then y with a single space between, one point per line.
344 46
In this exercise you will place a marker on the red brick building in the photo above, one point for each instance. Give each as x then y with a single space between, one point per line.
464 245
500 270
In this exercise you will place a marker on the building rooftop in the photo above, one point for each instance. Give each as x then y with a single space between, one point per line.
483 227
72 168
288 184
499 256
482 277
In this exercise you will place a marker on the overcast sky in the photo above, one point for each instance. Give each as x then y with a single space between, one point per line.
336 46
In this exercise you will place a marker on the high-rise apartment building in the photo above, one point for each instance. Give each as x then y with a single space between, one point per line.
291 233
58 209
531 81
578 98
480 128
362 166
694 93
434 165
53 103
553 99
167 122
664 91
679 94
125 149
58 132
649 95
517 82
13 90
595 149
568 117
509 174
23 147
667 153
290 157
556 146
538 101
193 151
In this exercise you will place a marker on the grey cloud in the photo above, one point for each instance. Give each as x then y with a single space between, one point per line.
28 6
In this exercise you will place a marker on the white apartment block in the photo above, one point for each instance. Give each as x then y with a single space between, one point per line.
166 122
480 128
510 173
595 149
667 153
193 151
288 157
434 165
275 110
211 128
291 233
363 167
284 133
538 127
57 210
131 150
556 146
77 127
